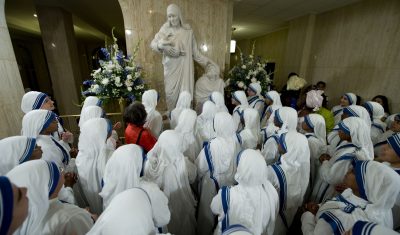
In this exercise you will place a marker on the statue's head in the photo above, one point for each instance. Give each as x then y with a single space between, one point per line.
212 71
174 16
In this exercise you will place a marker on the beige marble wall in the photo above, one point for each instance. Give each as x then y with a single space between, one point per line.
356 48
11 89
62 56
210 20
271 47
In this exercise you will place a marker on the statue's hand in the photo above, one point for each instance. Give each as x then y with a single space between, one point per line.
171 51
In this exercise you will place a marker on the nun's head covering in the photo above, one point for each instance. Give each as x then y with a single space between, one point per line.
15 150
36 121
89 113
351 97
317 123
369 228
236 229
218 99
33 100
224 125
93 136
122 171
41 179
314 99
6 203
184 100
375 110
287 117
378 184
91 101
186 121
255 87
394 142
241 98
252 121
149 100
250 168
136 210
295 163
360 136
358 111
209 110
274 97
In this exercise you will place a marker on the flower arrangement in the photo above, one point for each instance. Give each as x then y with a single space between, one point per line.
118 76
250 69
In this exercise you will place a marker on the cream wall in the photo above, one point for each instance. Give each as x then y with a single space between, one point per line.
354 48
210 20
357 48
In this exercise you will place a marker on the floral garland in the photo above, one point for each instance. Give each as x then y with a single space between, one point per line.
250 69
118 76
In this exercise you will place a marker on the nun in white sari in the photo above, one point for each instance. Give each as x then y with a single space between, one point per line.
314 125
186 127
240 100
40 124
285 119
255 101
252 203
271 98
216 167
346 100
154 120
378 127
90 112
268 128
184 102
123 171
290 176
17 150
91 101
369 228
91 160
173 173
41 179
218 99
133 211
205 122
250 134
369 197
358 146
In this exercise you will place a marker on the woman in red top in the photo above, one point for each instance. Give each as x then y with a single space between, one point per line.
135 117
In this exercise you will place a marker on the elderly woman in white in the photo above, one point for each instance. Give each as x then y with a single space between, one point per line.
177 43
173 173
216 167
253 202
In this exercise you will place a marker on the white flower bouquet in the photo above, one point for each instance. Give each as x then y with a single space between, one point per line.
250 69
117 77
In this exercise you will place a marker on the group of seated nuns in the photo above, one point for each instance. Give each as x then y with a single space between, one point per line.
262 169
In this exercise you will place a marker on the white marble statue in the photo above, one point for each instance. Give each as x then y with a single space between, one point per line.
207 84
177 43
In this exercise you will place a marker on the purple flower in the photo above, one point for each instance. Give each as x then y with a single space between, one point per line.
88 82
105 53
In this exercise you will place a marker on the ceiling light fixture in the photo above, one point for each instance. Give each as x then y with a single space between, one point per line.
232 47
35 15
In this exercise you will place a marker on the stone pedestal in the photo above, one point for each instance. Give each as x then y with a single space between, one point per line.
62 56
210 20
11 89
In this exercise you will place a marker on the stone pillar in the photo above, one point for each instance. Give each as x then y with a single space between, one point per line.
62 56
211 21
11 89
